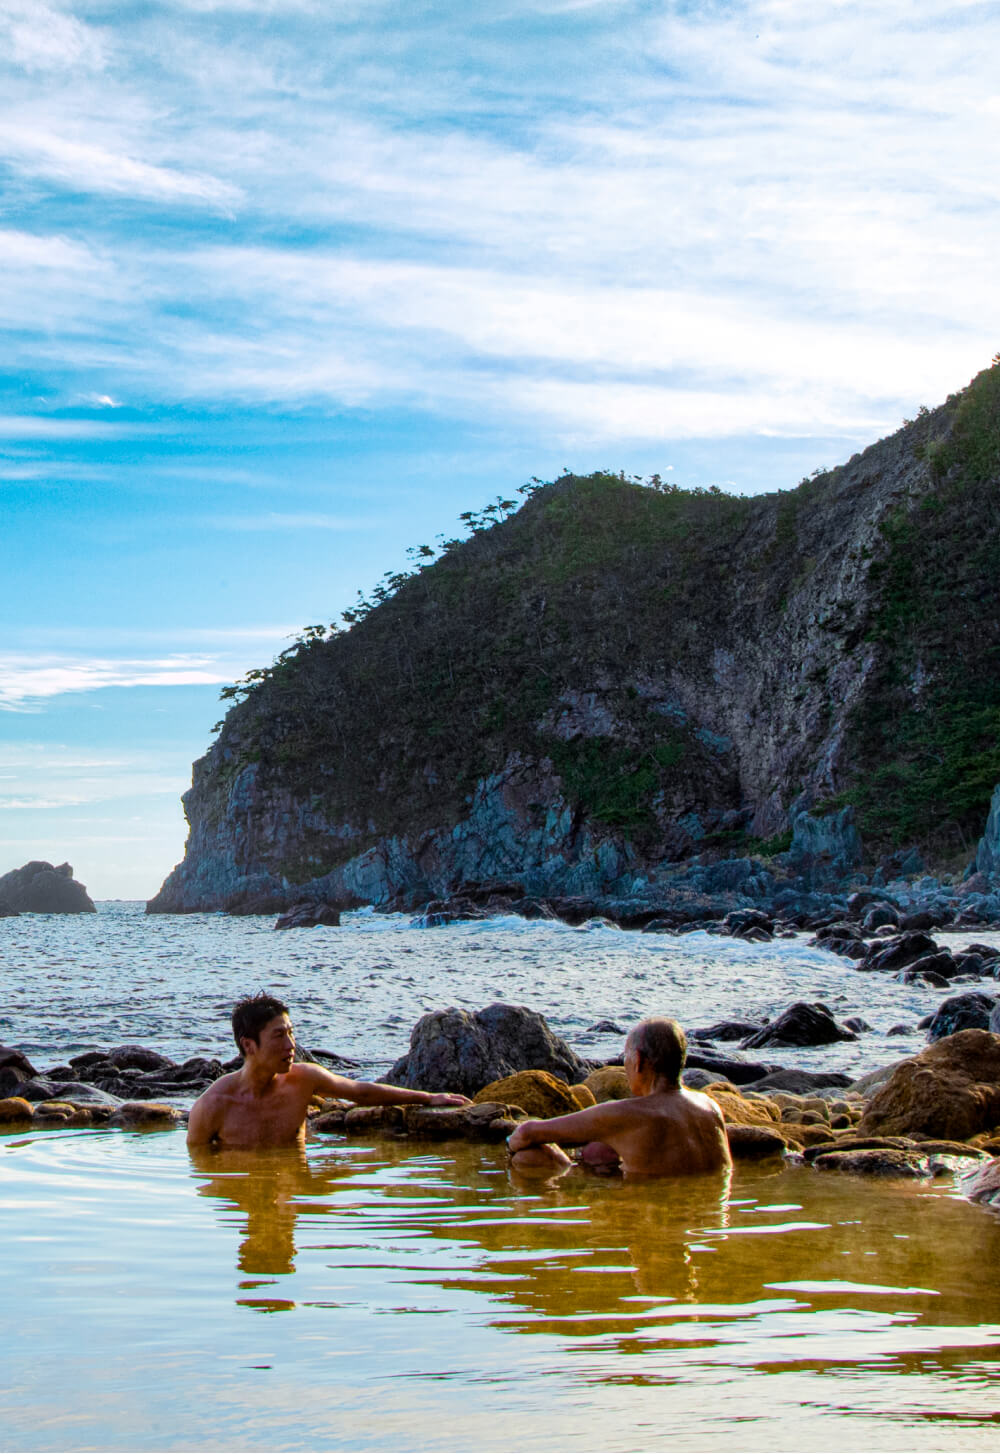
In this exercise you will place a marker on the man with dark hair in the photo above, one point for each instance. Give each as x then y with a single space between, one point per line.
264 1103
664 1129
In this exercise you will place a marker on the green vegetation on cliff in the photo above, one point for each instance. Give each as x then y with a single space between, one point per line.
673 664
925 740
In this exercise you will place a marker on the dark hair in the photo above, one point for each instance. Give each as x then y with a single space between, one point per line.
664 1045
250 1016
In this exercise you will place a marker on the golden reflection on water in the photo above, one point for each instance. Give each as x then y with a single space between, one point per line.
772 1269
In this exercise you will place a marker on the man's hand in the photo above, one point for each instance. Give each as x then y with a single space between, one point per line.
447 1098
518 1139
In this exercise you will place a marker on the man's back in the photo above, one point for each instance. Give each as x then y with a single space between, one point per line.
668 1133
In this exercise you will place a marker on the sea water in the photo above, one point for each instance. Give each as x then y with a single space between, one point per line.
78 982
406 1296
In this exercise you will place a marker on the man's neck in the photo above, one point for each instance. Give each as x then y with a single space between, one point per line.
258 1078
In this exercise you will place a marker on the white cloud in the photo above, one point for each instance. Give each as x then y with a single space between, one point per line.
25 679
84 166
42 38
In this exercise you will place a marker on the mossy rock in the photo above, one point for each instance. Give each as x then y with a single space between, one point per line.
583 1095
537 1092
752 1143
608 1083
16 1111
737 1111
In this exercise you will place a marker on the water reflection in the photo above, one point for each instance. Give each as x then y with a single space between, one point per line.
782 1272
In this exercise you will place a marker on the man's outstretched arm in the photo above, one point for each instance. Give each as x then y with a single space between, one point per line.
373 1093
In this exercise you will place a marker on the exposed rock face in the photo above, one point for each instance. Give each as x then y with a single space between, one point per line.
38 888
988 852
307 915
950 1090
592 696
453 1050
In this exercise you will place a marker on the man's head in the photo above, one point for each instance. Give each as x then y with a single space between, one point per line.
251 1015
659 1046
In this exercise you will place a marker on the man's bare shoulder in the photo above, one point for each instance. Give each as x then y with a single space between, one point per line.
221 1088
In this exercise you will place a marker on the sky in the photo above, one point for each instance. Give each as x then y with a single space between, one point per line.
286 285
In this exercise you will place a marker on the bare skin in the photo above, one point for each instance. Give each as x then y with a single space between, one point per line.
264 1103
664 1130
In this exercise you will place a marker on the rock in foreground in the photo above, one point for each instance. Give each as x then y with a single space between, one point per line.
951 1090
38 888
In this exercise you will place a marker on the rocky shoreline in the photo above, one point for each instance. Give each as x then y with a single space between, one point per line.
927 1115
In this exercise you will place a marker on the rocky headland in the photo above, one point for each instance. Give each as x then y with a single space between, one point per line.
645 703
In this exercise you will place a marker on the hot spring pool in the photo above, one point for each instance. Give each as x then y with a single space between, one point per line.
372 1297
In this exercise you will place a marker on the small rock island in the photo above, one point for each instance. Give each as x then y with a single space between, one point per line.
39 888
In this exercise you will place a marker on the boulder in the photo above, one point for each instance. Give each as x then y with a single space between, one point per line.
12 1059
539 1094
751 1143
455 1050
144 1116
801 1024
800 1082
15 1110
738 1111
727 1030
970 1011
608 1083
880 916
38 888
137 1057
936 968
307 915
897 953
983 1185
950 1091
879 1161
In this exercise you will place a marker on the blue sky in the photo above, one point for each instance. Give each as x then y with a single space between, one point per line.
288 285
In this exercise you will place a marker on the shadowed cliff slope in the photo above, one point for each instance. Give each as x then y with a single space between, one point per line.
616 677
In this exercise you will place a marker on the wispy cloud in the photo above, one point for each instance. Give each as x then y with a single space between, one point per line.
29 679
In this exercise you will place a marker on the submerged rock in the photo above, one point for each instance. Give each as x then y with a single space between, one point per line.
307 915
880 1161
455 1050
38 888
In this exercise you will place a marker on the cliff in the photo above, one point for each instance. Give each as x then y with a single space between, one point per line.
619 677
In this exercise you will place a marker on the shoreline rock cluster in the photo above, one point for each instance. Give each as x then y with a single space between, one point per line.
921 1117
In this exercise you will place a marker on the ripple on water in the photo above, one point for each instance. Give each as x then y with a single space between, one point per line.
373 1297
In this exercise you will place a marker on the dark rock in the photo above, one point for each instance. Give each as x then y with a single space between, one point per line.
197 1068
328 1058
922 976
42 1089
857 1023
11 1080
899 952
38 888
861 900
16 1060
838 930
455 1050
735 1069
258 904
137 1057
970 1011
901 1030
983 951
605 1027
941 964
801 1024
877 1162
752 925
800 1082
880 916
923 919
88 1058
307 915
727 1030
973 966
61 1072
862 1143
